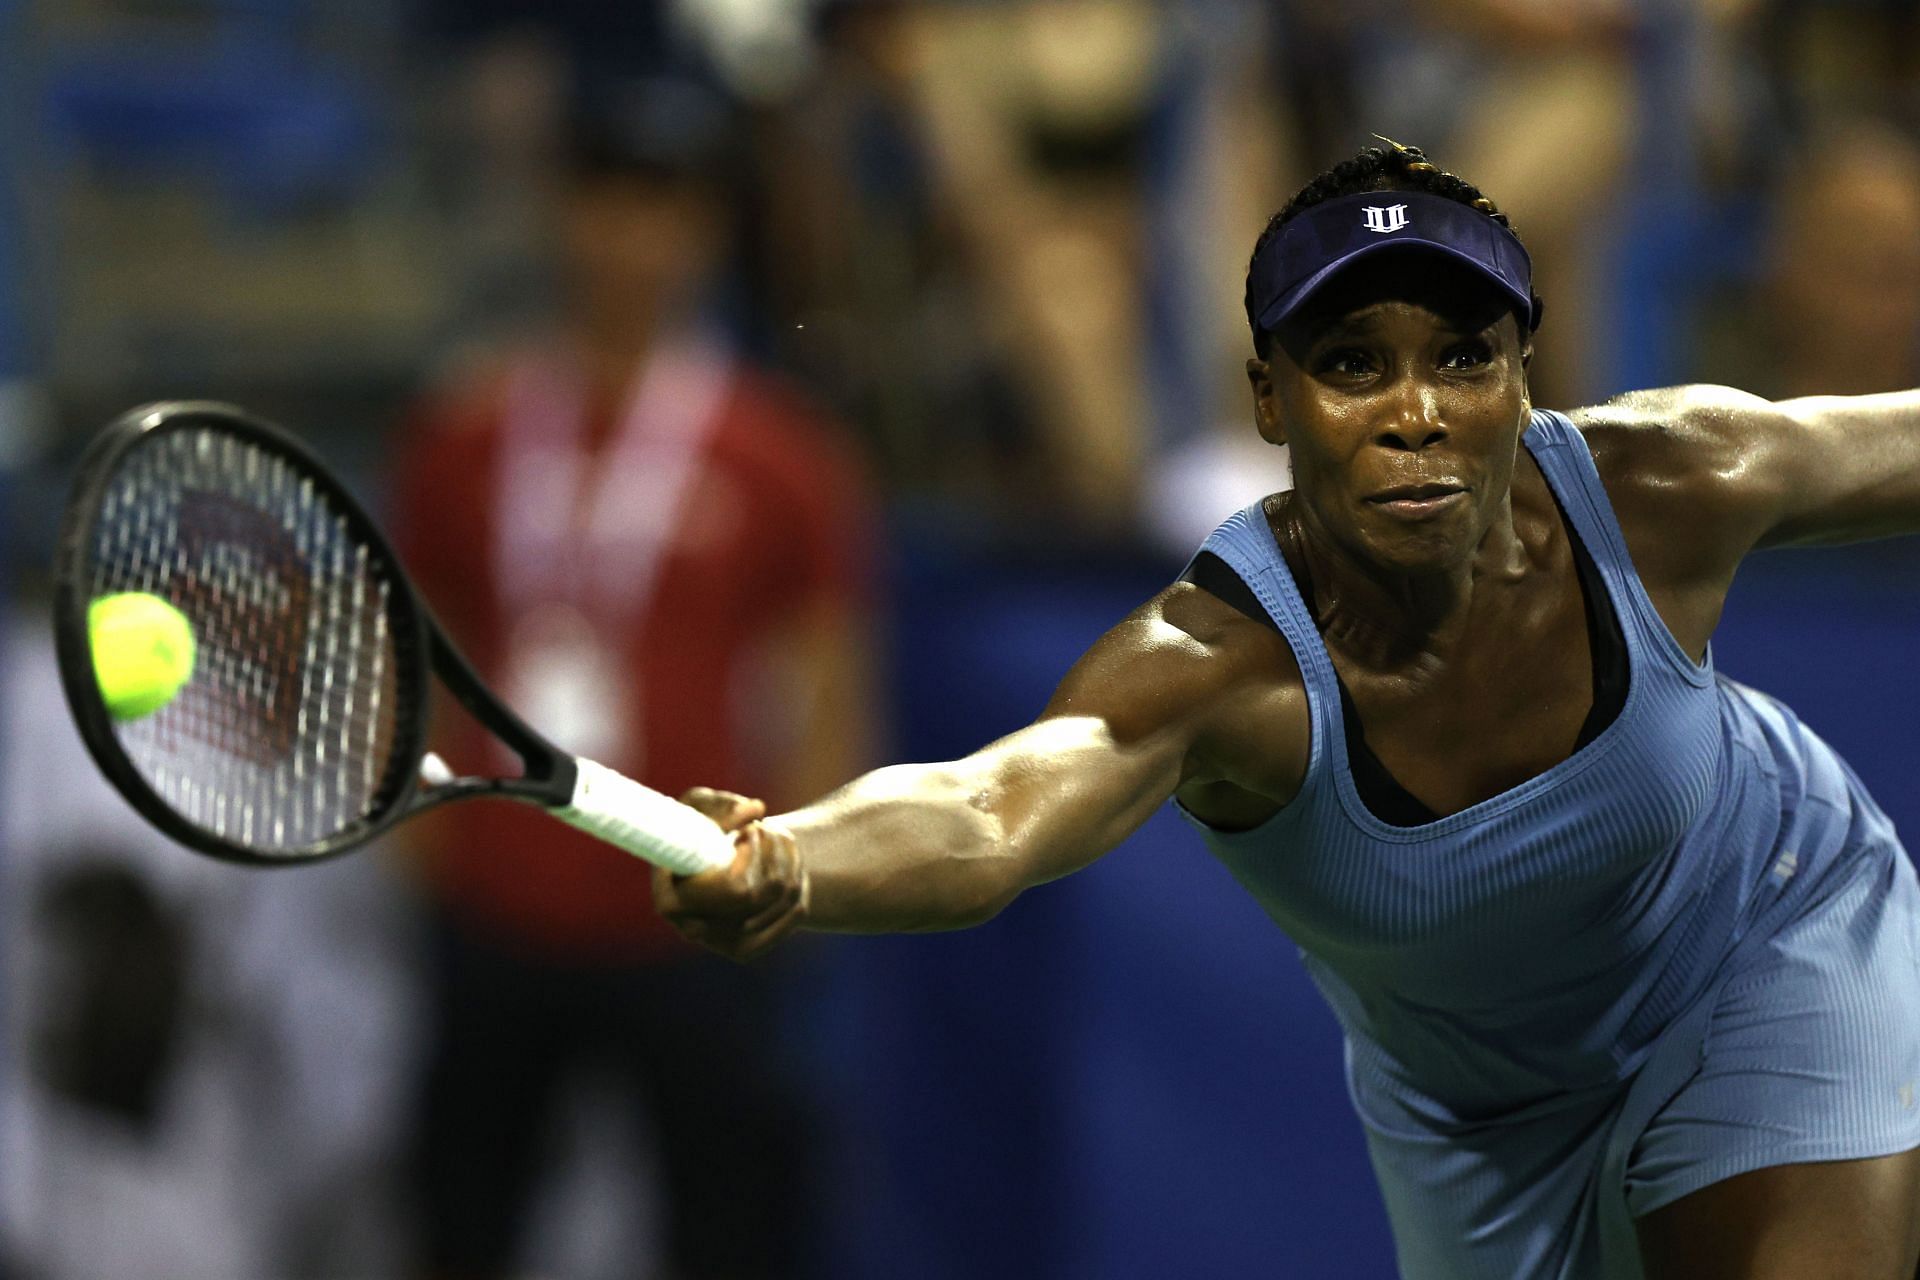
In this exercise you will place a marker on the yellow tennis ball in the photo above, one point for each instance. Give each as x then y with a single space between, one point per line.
142 652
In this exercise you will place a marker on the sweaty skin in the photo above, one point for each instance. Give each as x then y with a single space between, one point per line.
1448 599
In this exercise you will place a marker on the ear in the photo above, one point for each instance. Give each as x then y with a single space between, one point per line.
1266 408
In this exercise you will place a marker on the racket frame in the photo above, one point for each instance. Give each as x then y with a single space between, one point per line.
421 647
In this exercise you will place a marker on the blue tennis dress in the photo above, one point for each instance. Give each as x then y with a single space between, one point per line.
1689 950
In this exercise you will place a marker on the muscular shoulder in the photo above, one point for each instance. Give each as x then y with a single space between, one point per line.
1692 457
1189 663
1199 639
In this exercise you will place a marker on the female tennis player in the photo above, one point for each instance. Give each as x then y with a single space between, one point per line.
1627 961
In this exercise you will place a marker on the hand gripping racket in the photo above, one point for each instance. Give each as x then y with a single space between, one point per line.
301 732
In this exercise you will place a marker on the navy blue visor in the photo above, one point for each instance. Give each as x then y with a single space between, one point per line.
1316 244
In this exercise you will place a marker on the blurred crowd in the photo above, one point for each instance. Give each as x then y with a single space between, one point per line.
670 338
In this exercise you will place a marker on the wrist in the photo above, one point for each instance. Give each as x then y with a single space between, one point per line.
803 907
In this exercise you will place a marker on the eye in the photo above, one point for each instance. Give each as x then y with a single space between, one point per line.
1345 362
1471 354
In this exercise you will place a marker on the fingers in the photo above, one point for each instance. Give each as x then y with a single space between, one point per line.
753 945
666 894
783 883
744 910
728 810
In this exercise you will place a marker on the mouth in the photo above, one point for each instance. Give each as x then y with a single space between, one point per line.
1417 500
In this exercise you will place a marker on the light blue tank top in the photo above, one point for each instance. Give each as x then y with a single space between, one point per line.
1536 944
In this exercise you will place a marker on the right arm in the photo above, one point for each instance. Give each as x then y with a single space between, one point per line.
1185 696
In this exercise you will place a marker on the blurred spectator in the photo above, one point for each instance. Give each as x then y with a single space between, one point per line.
1010 239
205 1066
1843 272
1036 116
868 285
503 115
1832 57
1835 309
660 557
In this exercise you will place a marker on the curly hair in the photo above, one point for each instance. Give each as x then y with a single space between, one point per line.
1394 167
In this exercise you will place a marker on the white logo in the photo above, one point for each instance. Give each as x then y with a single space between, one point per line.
1385 218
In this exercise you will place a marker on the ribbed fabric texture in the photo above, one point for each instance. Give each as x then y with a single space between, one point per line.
1506 974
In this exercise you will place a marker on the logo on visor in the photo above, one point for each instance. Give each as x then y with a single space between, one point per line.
1385 218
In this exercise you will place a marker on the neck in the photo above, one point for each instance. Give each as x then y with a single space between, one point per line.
1383 617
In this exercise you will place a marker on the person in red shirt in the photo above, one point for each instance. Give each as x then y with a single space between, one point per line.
659 555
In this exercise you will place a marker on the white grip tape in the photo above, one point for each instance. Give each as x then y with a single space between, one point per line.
640 820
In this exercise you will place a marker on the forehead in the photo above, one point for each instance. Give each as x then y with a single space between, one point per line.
1457 296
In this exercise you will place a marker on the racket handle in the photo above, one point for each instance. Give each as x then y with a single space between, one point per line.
640 820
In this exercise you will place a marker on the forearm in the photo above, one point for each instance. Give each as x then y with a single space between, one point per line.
906 848
943 846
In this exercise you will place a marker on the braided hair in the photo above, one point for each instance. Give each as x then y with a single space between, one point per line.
1394 167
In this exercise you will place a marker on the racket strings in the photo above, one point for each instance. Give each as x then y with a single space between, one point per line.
285 735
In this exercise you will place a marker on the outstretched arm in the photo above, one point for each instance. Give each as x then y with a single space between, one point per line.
1821 469
1158 703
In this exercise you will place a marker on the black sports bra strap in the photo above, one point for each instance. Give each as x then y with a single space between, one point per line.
1215 576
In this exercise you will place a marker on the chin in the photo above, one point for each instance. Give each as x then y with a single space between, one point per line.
1428 550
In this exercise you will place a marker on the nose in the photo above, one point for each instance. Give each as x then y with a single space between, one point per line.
1414 422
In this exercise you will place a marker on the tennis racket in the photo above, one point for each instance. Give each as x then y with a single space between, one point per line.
301 732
